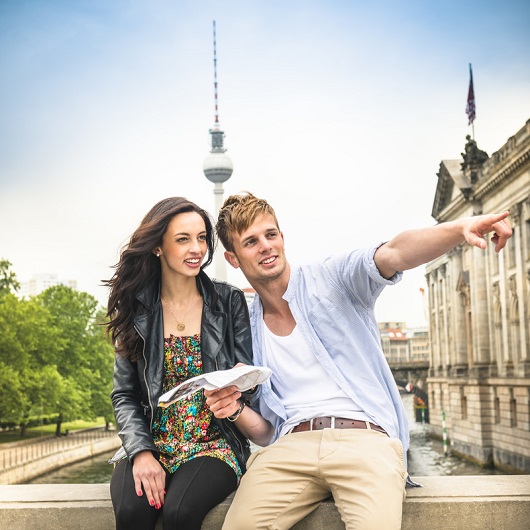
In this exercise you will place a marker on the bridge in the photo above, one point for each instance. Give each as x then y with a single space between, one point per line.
411 376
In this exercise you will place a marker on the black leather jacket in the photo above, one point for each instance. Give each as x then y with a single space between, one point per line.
225 341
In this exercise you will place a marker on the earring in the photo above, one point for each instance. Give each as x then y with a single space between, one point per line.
158 254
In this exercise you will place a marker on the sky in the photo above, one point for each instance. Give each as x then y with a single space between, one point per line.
337 112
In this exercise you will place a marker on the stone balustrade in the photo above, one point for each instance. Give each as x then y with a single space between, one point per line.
488 502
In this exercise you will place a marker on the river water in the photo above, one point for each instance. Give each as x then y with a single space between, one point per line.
425 458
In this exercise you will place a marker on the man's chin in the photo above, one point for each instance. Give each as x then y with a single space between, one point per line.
272 274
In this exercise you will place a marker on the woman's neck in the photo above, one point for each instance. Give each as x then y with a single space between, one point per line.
179 290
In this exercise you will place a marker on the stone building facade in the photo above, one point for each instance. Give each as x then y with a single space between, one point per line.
479 308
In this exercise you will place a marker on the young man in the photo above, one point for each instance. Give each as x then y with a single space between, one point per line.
331 415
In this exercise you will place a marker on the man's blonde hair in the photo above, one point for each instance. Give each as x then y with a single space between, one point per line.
237 214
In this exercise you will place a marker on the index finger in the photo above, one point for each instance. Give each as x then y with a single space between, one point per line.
500 216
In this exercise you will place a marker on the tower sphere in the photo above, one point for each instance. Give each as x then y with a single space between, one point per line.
218 167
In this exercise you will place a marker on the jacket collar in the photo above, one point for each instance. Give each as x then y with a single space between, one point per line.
149 296
213 326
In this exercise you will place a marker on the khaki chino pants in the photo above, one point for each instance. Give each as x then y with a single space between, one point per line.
364 471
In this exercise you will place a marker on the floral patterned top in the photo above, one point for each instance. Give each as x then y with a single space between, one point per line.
185 429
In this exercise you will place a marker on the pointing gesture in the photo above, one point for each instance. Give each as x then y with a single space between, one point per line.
479 226
416 247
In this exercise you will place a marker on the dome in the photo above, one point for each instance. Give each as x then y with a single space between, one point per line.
218 167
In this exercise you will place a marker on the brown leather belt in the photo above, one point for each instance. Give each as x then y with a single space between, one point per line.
330 422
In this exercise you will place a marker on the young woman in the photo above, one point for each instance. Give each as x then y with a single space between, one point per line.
170 322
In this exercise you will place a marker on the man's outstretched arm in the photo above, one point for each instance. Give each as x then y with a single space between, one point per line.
416 247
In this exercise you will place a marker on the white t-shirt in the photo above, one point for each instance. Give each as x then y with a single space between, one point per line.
305 389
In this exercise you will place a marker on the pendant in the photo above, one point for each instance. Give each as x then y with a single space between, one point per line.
181 327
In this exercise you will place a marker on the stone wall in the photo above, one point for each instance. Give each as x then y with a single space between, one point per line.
444 503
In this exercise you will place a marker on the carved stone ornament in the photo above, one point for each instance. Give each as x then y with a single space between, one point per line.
473 159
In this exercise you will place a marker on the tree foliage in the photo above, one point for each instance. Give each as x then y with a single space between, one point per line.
8 279
55 357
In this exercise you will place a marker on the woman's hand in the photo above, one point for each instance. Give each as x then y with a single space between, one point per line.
223 402
149 474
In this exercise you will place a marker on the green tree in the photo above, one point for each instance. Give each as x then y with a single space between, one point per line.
85 357
55 357
27 335
8 279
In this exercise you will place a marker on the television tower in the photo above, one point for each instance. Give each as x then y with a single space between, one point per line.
217 167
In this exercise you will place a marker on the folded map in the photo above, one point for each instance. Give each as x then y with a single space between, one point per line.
244 377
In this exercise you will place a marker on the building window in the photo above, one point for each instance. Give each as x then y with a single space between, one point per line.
497 406
463 403
514 331
513 409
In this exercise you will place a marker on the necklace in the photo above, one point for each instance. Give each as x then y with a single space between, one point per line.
180 325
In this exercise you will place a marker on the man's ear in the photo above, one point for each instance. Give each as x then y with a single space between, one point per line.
232 259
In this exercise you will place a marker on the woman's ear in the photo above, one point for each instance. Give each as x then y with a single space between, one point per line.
157 251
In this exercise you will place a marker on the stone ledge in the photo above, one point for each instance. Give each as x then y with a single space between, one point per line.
489 502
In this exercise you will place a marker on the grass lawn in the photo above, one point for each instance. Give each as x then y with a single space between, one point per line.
49 430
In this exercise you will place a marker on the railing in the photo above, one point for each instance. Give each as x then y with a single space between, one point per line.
29 452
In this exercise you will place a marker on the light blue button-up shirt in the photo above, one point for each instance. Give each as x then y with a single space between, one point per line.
333 304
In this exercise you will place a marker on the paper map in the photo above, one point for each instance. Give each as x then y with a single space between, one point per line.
244 377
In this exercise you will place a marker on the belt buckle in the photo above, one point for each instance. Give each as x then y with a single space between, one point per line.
332 422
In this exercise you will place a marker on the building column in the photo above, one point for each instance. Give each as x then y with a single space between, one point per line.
520 281
480 309
459 313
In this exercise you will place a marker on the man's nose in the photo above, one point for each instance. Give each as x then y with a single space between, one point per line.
264 244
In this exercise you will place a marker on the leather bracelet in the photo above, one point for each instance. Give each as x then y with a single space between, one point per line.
238 413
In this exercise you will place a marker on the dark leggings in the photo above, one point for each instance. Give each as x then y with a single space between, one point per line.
191 492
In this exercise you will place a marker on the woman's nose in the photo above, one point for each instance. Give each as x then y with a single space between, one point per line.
195 245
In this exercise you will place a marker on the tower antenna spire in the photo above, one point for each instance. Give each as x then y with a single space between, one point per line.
216 133
217 167
215 75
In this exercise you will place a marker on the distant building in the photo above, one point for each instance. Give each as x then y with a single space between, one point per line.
402 345
479 307
40 282
420 346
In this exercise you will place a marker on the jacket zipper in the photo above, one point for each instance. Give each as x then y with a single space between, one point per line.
146 382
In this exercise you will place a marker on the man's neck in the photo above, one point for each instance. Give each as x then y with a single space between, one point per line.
271 290
276 312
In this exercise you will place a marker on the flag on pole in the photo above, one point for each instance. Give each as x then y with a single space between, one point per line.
470 107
